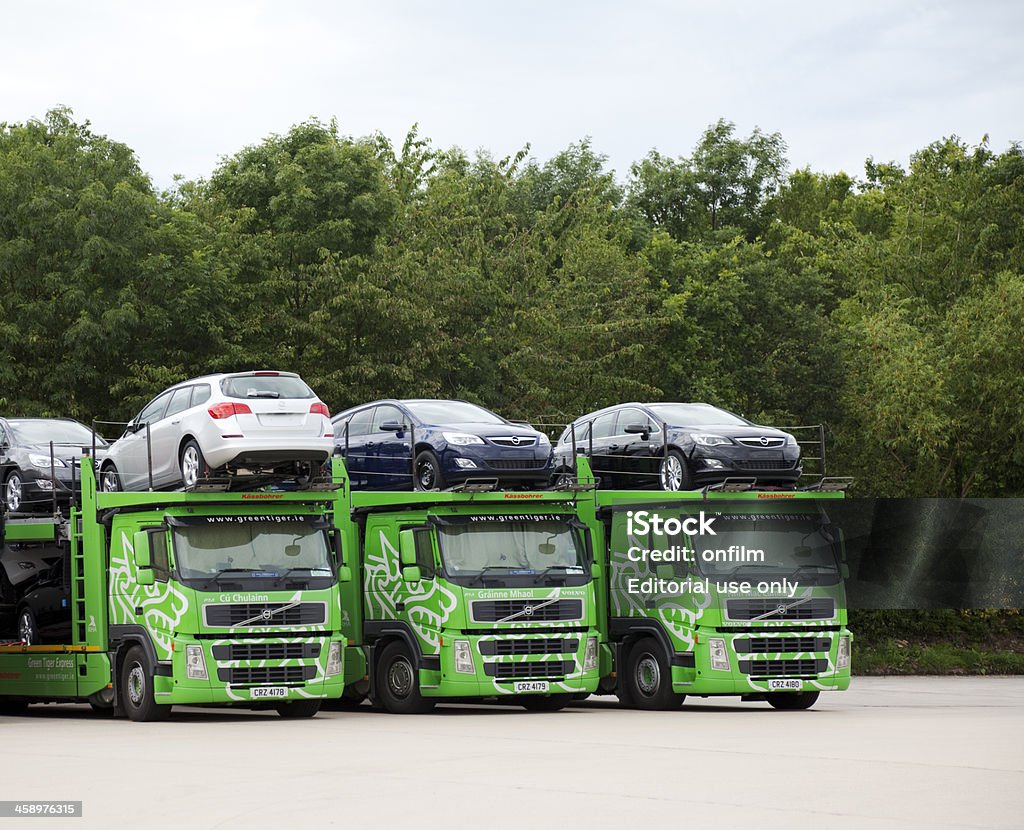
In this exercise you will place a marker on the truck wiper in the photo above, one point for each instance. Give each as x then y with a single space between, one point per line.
805 567
282 577
480 576
550 568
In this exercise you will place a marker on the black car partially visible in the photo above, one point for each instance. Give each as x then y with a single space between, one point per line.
677 446
29 475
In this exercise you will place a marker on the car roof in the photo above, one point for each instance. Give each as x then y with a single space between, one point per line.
598 412
402 401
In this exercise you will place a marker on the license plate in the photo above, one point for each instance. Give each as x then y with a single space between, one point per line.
785 685
530 686
270 691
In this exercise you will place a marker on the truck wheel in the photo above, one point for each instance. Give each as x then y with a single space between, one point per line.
674 473
299 709
792 700
192 464
110 481
544 703
14 492
137 698
13 707
397 682
28 631
648 680
428 472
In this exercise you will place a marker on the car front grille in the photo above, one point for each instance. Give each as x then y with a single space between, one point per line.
527 610
783 668
517 463
533 670
264 675
780 465
265 651
781 645
821 608
255 614
757 442
511 648
509 442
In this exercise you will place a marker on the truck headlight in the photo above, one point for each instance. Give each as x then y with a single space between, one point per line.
195 663
334 659
843 653
463 657
590 655
719 655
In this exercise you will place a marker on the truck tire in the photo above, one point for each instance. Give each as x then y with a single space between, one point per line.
648 680
298 709
13 707
397 682
428 472
674 473
137 697
544 703
792 700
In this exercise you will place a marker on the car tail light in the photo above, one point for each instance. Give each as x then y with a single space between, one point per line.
320 409
266 374
226 410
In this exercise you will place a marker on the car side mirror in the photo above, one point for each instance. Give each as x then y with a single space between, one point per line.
395 427
639 429
406 548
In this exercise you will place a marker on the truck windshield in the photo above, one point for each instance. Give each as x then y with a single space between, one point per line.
252 550
769 545
512 551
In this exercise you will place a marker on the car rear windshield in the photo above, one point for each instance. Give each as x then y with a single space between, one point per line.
265 386
452 412
60 432
688 414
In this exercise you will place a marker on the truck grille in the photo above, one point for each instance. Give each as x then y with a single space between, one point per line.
517 464
823 608
783 668
781 645
265 675
535 670
512 648
266 651
256 614
527 610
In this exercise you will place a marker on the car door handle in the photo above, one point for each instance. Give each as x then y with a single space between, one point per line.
175 423
371 444
614 447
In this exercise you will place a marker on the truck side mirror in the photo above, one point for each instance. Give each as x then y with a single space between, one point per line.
406 548
665 572
143 558
344 573
146 576
411 573
595 571
844 571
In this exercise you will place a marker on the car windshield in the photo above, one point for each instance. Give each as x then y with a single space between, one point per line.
265 386
691 414
60 432
451 412
251 548
780 543
526 547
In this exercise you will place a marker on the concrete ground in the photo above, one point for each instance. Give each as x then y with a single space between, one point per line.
891 752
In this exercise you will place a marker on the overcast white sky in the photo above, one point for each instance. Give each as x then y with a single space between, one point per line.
186 83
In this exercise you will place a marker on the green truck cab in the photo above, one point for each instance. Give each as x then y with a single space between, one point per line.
185 598
467 596
756 608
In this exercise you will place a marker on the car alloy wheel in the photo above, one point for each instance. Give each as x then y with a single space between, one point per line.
671 473
109 482
27 628
190 464
14 493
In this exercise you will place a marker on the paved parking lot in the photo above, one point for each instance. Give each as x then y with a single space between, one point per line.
898 752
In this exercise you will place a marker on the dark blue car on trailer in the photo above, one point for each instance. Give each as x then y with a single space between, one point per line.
428 444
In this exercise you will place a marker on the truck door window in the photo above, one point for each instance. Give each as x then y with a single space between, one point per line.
425 551
158 554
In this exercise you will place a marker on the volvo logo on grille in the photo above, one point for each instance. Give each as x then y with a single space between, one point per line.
781 609
764 440
528 610
266 614
515 440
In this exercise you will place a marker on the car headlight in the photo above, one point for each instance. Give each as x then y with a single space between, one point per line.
790 441
719 655
461 439
463 657
590 655
39 460
334 659
195 663
843 653
708 440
